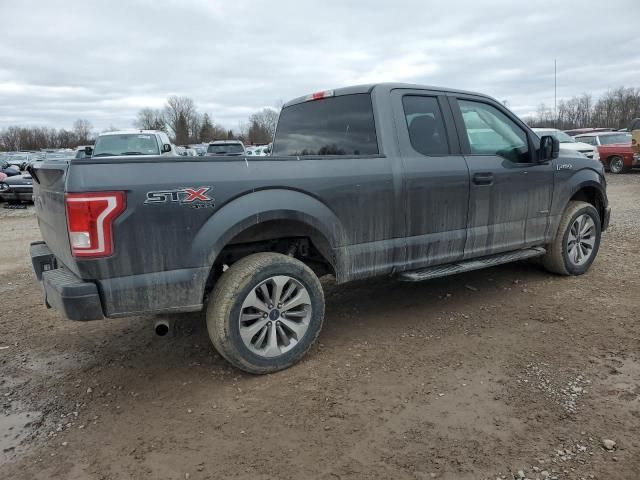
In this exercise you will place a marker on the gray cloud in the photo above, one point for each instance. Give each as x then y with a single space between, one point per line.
102 61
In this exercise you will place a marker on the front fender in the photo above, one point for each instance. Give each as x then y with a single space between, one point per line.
261 206
567 184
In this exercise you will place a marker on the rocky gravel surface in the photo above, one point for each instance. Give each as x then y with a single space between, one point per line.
507 373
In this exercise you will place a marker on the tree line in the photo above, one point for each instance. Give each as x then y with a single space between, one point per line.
184 124
35 138
179 117
615 109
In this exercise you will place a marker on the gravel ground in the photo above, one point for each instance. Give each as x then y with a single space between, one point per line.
503 373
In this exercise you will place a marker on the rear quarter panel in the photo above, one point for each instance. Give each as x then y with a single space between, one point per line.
348 199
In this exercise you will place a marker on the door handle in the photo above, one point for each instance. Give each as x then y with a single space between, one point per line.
485 178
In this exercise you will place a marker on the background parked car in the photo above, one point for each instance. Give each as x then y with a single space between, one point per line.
226 147
579 131
18 188
186 152
133 142
569 143
17 159
200 149
7 169
614 149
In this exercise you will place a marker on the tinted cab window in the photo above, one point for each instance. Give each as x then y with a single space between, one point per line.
491 132
425 125
341 125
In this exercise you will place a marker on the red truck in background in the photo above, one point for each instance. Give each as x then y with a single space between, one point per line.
614 148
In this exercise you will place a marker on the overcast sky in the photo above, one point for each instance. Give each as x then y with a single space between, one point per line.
63 60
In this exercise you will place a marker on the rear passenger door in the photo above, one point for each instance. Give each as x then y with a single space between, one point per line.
510 191
435 179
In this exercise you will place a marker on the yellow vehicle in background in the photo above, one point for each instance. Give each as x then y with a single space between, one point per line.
634 128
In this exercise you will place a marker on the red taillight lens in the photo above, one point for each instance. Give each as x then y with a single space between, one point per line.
89 219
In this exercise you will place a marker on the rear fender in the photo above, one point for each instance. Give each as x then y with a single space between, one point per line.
262 206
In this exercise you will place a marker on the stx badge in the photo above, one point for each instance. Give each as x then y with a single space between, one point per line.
194 197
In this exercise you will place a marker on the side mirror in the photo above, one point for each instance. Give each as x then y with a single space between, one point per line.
166 148
88 151
549 148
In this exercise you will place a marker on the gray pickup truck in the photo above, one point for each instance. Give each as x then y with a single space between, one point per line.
388 179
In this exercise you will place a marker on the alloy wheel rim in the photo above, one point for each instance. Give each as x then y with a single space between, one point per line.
616 165
581 240
275 316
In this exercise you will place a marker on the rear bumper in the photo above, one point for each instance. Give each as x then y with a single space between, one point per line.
76 299
169 291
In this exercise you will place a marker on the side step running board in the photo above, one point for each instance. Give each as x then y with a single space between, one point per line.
468 265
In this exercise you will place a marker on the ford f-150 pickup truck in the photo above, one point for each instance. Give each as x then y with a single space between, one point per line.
388 179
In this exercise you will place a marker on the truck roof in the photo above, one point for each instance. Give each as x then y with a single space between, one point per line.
369 87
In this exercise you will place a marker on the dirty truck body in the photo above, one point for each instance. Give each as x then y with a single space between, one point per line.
364 181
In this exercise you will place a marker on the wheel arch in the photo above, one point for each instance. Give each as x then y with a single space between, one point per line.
585 185
269 215
592 195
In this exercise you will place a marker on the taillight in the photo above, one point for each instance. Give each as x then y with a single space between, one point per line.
89 220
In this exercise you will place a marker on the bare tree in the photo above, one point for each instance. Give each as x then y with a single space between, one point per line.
262 125
615 109
210 131
179 114
150 119
11 138
82 131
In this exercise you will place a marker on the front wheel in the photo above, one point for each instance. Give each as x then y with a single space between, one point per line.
577 240
265 312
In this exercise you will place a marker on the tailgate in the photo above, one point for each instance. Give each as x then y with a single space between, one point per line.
49 180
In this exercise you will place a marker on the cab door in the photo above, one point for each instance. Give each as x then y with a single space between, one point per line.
435 178
510 191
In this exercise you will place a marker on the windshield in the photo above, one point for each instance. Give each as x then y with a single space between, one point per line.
615 139
222 148
126 144
557 134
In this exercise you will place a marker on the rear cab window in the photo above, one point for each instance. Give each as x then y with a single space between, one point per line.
342 125
425 125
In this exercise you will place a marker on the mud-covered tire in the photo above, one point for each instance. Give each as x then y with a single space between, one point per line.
231 292
557 260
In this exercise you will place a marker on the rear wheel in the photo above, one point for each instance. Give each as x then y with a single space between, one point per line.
265 312
616 165
577 240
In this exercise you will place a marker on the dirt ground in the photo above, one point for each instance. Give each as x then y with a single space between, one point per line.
502 373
